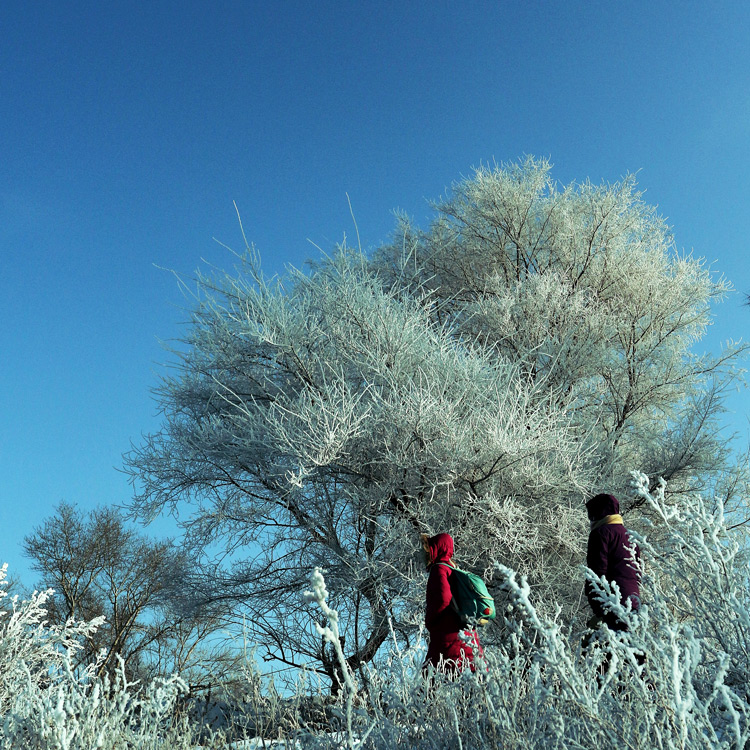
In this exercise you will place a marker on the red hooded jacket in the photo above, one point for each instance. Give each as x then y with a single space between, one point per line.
609 555
443 623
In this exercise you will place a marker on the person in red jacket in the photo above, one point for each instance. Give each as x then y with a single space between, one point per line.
448 649
611 554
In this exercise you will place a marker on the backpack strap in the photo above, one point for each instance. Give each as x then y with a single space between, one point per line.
446 565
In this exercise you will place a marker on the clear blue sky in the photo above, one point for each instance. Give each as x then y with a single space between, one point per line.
128 129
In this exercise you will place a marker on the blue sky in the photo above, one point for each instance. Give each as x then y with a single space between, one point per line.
127 130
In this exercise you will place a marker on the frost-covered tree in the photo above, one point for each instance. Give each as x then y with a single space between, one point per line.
582 286
480 377
329 423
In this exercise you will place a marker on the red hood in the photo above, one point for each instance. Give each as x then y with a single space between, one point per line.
441 547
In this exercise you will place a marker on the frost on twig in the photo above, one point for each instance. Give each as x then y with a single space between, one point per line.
318 594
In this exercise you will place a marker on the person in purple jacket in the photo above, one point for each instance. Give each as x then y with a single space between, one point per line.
611 554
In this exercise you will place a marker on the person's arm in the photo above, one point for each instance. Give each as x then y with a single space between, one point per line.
438 594
597 559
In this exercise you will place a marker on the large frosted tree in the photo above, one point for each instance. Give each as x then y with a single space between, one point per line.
583 288
480 377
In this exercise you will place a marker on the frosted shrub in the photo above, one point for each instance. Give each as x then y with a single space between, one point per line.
46 704
31 653
677 679
75 714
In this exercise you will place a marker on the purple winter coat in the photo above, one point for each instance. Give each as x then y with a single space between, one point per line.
608 555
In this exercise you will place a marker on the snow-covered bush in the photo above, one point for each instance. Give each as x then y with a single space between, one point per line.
47 704
32 655
677 679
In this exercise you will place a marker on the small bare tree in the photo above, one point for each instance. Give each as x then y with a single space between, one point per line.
98 566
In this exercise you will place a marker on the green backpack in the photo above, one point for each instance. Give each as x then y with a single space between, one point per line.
471 600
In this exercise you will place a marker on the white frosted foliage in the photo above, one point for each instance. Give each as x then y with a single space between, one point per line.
482 377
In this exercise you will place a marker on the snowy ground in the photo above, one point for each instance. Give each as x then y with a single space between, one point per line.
258 743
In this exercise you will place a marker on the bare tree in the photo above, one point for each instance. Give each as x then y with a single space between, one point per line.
98 566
